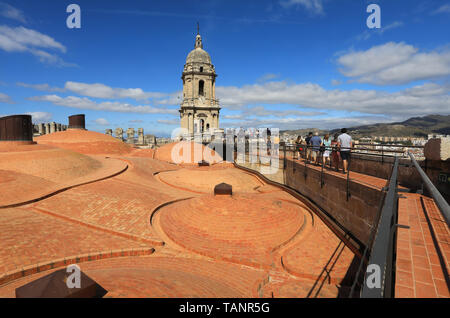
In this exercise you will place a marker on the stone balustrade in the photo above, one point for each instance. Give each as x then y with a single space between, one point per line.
48 128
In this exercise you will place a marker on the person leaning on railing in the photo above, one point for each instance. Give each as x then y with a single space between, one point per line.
345 145
335 158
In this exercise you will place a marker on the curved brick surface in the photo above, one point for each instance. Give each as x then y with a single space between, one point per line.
155 276
146 153
293 288
241 227
206 235
204 180
85 141
196 153
27 238
123 203
320 255
40 171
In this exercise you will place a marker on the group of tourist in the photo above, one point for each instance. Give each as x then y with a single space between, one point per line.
326 151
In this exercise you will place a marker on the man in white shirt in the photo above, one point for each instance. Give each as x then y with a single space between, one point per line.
345 144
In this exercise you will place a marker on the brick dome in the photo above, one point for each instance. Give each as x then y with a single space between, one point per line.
86 142
174 153
243 228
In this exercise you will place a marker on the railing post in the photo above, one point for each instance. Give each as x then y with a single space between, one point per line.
321 172
348 178
306 158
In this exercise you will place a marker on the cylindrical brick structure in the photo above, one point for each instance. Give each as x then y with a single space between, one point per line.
77 121
16 128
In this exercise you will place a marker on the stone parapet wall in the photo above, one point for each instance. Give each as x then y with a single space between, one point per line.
358 214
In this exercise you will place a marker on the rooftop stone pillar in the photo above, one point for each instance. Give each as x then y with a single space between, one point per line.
119 133
130 136
47 128
41 129
58 127
52 127
108 132
141 136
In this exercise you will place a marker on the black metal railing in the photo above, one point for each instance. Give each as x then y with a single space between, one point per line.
442 204
382 250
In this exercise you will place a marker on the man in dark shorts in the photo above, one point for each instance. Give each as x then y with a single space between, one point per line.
345 144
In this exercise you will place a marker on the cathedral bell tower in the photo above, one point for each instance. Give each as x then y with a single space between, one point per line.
199 111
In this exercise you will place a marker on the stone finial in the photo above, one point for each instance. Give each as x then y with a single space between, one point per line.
108 132
130 135
47 128
437 149
58 127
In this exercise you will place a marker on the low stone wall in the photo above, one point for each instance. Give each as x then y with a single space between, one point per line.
407 173
358 214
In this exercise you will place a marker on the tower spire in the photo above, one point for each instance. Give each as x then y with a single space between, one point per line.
198 38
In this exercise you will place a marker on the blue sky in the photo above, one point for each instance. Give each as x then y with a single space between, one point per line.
283 63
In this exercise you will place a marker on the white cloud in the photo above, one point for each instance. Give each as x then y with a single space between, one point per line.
267 77
314 6
99 90
30 38
394 63
40 117
101 122
419 100
261 111
41 87
172 122
301 123
21 39
368 33
5 99
10 12
442 9
336 82
86 103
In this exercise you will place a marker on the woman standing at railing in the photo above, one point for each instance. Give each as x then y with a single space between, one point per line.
298 147
326 144
335 153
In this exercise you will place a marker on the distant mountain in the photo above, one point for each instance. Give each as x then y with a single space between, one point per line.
415 127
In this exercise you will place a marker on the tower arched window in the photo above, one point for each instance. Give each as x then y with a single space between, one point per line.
201 68
201 87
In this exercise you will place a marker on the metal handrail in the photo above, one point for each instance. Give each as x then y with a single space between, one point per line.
390 145
438 198
382 249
